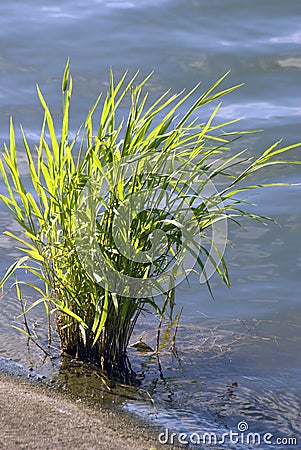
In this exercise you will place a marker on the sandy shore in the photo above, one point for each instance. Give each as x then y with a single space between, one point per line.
32 417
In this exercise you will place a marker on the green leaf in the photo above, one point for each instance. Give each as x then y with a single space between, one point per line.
11 270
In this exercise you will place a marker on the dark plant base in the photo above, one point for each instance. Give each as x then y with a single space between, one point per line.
120 372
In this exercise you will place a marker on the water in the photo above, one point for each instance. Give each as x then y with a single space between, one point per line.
240 354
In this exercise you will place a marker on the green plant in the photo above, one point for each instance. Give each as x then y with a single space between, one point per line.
80 185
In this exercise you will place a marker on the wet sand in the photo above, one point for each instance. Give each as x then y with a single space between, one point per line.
33 417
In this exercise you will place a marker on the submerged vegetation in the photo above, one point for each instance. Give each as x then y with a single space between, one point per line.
106 216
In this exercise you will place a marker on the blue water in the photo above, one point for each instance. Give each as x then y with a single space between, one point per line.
239 354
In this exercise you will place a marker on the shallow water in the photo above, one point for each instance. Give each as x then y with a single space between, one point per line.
240 354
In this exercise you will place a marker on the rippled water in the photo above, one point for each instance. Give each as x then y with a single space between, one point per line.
240 354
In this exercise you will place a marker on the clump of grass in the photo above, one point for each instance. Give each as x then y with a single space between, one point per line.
95 311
